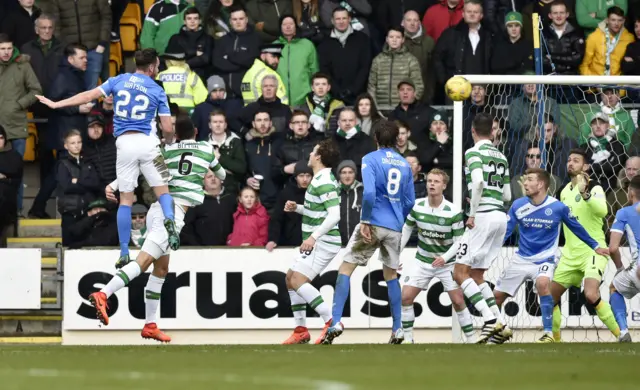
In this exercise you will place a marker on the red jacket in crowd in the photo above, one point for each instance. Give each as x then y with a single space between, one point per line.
439 18
249 226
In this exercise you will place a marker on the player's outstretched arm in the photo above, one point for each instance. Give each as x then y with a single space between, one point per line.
577 229
369 192
617 230
512 221
167 128
217 169
76 100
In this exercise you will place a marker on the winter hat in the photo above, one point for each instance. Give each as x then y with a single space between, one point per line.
347 164
513 17
174 51
597 115
97 203
301 167
138 208
98 118
215 82
439 116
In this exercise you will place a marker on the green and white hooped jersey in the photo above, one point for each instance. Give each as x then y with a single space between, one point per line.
437 228
188 162
495 169
322 193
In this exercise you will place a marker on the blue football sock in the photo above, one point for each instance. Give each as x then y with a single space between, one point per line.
619 307
340 298
546 306
166 202
124 228
395 301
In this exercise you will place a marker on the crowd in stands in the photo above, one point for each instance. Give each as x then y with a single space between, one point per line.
265 80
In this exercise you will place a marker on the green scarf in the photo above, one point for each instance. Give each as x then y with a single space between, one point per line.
321 107
347 188
598 144
350 133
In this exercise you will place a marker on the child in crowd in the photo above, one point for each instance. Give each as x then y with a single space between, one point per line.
250 221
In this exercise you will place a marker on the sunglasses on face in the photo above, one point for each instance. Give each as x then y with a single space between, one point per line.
538 156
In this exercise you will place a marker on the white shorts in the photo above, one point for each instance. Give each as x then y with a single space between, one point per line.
387 240
627 282
312 264
520 271
419 274
157 242
480 246
138 152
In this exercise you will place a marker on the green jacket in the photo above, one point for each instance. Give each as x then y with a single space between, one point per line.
422 48
624 124
19 85
298 63
599 7
87 22
163 20
388 69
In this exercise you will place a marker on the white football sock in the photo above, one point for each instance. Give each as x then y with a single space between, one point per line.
122 278
312 296
487 293
408 318
299 308
466 323
152 298
473 293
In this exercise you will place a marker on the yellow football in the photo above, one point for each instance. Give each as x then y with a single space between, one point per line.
458 88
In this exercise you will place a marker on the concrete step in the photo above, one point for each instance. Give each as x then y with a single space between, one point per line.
31 324
34 242
31 340
49 287
39 228
49 263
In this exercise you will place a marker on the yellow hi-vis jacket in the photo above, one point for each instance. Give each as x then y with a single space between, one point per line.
183 87
252 83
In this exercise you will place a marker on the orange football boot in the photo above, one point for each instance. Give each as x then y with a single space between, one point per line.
99 301
151 331
324 332
300 335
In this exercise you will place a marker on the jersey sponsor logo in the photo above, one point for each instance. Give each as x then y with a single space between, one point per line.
364 165
173 78
432 234
548 212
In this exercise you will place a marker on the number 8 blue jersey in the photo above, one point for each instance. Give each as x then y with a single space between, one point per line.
137 99
388 195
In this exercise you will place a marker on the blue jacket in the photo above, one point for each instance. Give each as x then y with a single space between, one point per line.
68 82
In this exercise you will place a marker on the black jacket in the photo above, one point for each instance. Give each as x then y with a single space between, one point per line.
285 229
293 150
73 198
101 153
433 154
566 52
310 28
192 42
11 166
495 11
45 66
210 223
512 57
350 206
348 66
454 49
260 152
20 26
633 67
233 160
420 186
280 115
390 13
231 108
355 148
418 117
89 231
233 55
68 82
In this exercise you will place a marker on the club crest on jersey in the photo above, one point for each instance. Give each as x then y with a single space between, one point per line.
578 197
441 221
548 212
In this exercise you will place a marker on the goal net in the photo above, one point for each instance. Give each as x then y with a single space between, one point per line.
538 120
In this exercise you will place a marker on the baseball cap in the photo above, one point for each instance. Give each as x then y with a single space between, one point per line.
597 115
97 118
407 82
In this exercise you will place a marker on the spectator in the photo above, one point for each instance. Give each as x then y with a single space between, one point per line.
391 12
617 198
358 11
421 46
543 9
118 8
18 87
619 119
264 66
20 22
498 136
606 46
419 178
297 146
533 159
106 110
217 21
265 16
441 16
87 23
477 103
195 42
250 221
97 226
164 19
264 144
393 65
345 56
524 110
607 153
496 12
465 48
565 43
350 199
279 112
236 51
592 13
323 109
630 64
229 151
403 145
557 148
100 150
367 113
298 64
415 114
437 152
513 54
309 25
210 223
138 224
285 229
217 100
182 85
11 166
78 184
353 143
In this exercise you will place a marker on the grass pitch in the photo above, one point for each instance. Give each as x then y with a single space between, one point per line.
309 367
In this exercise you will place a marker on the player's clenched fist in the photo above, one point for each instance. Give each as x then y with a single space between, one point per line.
583 182
290 206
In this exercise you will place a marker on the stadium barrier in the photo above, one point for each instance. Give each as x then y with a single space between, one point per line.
238 296
20 279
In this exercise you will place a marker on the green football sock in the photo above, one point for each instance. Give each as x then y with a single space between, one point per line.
557 321
603 309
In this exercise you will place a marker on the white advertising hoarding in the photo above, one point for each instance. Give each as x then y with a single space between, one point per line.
20 279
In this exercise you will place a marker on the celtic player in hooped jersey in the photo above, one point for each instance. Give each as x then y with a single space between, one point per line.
188 161
440 226
321 240
488 180
579 262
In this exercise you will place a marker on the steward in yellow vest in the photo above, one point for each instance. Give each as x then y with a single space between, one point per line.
182 85
263 66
